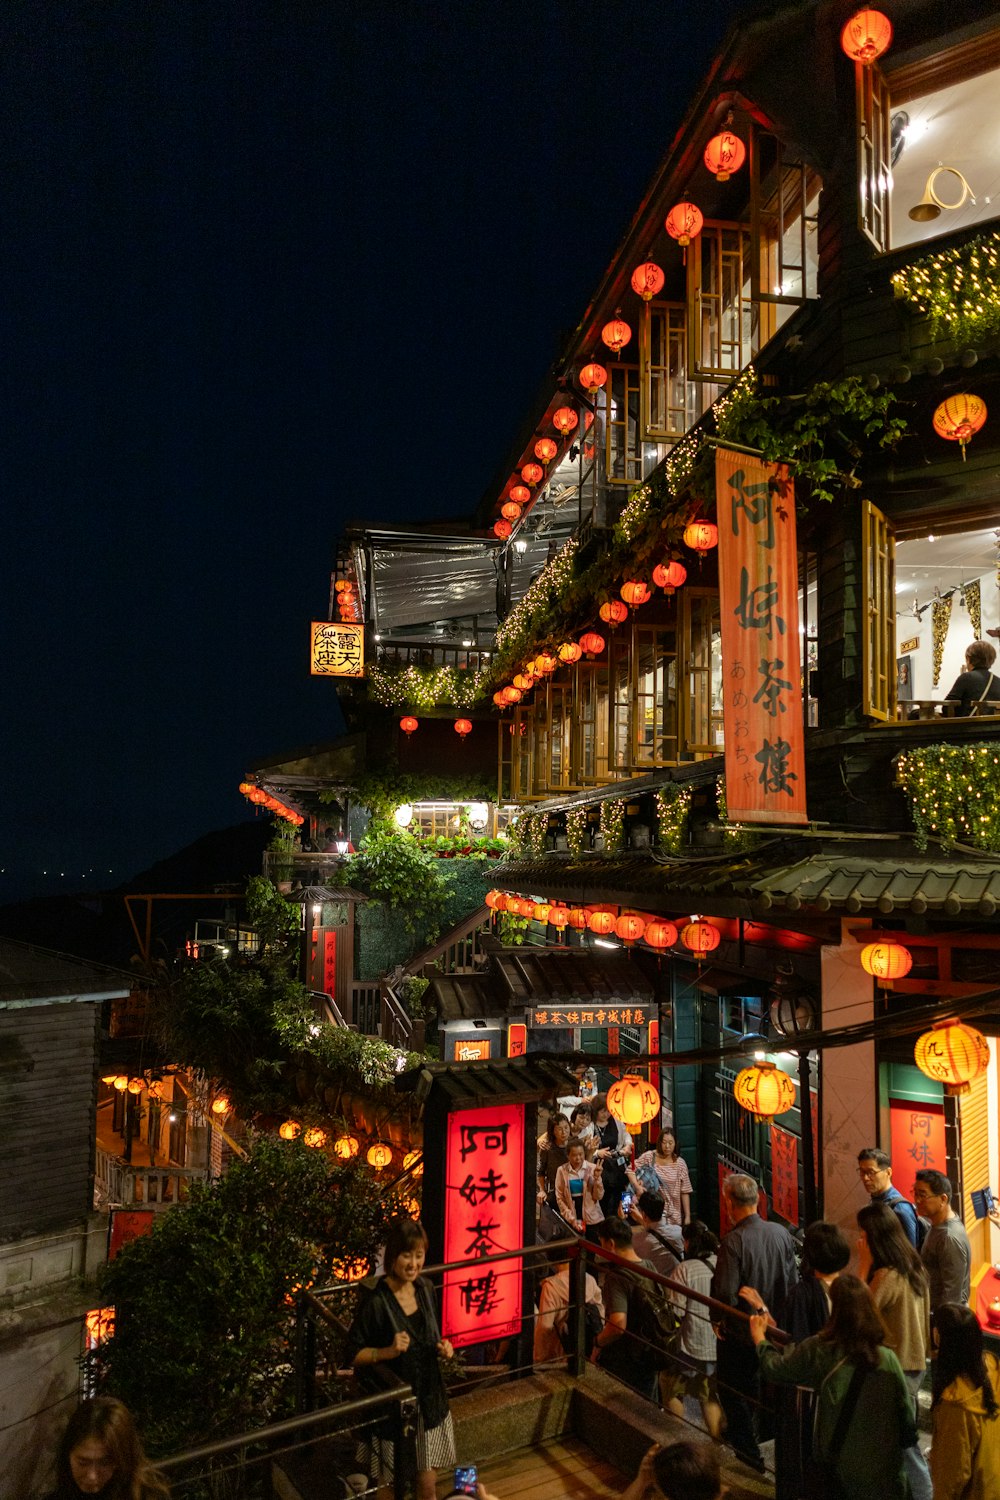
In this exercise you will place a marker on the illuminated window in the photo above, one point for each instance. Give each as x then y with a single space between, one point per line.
622 436
873 154
669 398
703 667
784 198
560 734
655 715
591 754
722 320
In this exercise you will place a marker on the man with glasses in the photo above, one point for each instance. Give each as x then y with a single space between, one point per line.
875 1171
946 1252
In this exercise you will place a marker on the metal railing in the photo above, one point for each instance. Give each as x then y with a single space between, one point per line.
119 1182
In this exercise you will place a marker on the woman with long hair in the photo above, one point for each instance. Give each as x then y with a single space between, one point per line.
396 1324
864 1414
965 1449
551 1156
664 1171
101 1454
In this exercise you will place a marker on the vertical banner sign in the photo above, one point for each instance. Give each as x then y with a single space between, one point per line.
761 670
126 1224
330 963
785 1173
916 1141
483 1209
517 1039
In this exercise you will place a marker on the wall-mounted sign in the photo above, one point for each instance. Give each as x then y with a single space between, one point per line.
916 1140
517 1039
336 649
616 1015
483 1206
785 1173
128 1224
477 1050
910 645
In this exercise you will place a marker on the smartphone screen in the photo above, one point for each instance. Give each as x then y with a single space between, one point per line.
465 1480
628 1199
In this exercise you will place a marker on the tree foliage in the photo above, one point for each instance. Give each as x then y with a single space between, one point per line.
391 867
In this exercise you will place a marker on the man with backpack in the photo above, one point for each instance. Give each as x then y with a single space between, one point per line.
554 1325
632 1343
875 1171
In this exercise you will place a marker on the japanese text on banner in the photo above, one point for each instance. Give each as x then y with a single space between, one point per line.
483 1216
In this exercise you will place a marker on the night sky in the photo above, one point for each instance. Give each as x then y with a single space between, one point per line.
266 269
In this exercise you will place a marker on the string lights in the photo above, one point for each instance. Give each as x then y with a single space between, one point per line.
957 288
954 793
673 803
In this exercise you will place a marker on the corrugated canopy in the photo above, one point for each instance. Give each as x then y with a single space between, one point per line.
418 577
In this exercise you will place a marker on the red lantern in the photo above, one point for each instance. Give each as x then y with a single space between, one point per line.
502 529
544 663
257 797
542 910
886 960
591 643
512 695
514 905
724 155
491 898
701 536
634 592
669 576
683 222
613 612
527 909
520 493
866 36
569 653
463 727
558 917
959 418
408 724
630 927
532 473
510 511
592 377
246 787
546 450
647 280
633 1101
601 922
577 918
700 937
499 699
616 334
564 420
660 934
764 1091
379 1155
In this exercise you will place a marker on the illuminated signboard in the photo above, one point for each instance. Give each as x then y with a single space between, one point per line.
336 649
484 1201
917 1142
617 1015
785 1173
517 1039
472 1051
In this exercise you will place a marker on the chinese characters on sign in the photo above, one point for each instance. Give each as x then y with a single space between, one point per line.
336 650
517 1039
785 1173
128 1224
330 964
473 1051
916 1141
619 1015
761 673
484 1200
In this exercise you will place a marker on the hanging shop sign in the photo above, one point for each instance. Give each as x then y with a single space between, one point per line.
916 1142
484 1197
125 1224
476 1050
785 1173
761 675
336 649
624 1015
517 1039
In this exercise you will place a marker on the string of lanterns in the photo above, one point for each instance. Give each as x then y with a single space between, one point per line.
260 798
604 920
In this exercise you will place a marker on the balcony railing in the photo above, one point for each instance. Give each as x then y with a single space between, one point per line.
123 1184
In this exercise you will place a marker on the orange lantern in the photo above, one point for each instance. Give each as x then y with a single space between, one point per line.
700 937
315 1137
866 36
502 529
564 420
683 222
953 1054
514 905
352 1269
121 1083
592 377
413 1161
558 917
532 473
634 592
290 1130
499 700
633 1100
647 280
660 934
630 927
135 1086
510 510
258 797
108 1077
246 787
701 536
463 727
525 683
601 922
512 695
546 450
669 576
577 918
379 1155
592 644
544 663
408 724
886 960
346 1146
493 899
616 334
220 1106
959 419
613 612
542 910
764 1090
724 155
569 653
520 493
156 1088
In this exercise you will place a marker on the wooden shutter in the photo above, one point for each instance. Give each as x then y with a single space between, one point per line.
874 165
878 624
974 1154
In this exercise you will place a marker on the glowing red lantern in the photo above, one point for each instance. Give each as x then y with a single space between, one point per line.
246 787
601 922
491 898
463 727
379 1155
520 493
613 612
701 536
633 1101
542 909
544 663
408 724
660 934
546 450
527 908
577 918
683 222
647 280
959 419
532 473
592 644
569 653
669 576
564 420
558 917
499 699
630 927
952 1054
512 695
257 797
524 681
724 155
886 960
510 511
700 937
616 334
634 592
502 529
592 377
866 36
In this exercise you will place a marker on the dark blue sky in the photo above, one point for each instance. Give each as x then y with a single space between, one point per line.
264 269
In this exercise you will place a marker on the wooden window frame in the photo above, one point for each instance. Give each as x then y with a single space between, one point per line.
713 234
623 385
781 193
878 614
675 341
874 163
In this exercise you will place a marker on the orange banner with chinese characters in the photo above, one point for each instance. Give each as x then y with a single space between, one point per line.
761 671
336 649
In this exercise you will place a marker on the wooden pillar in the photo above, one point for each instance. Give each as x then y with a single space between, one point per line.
848 1087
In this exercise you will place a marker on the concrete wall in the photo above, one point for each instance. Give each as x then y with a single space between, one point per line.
849 1093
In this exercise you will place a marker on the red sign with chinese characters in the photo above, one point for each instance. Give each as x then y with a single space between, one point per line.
916 1141
330 963
128 1224
761 673
601 1015
517 1039
472 1051
484 1200
785 1173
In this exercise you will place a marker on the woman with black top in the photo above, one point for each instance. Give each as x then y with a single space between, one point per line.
614 1152
977 683
396 1326
101 1455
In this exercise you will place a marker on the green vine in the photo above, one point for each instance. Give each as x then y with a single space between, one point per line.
673 803
956 288
383 791
512 929
530 830
954 793
735 835
576 829
613 824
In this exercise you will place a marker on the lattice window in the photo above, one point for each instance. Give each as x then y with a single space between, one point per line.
874 168
622 433
703 731
655 715
878 667
669 400
784 199
721 315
